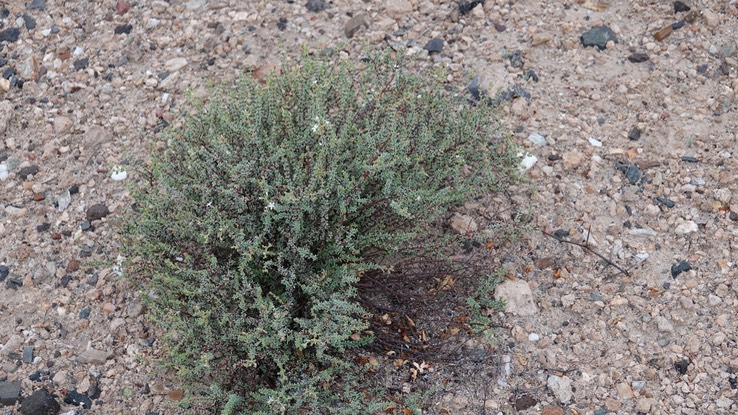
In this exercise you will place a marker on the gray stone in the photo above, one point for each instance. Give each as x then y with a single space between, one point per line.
598 36
9 393
28 354
41 402
354 24
518 298
316 5
6 114
37 5
95 357
434 45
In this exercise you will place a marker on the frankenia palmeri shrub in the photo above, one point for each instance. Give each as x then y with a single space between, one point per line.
268 204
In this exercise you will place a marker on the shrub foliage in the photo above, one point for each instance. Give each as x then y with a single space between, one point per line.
270 202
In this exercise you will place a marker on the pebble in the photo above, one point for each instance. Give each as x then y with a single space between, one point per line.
78 399
518 297
175 64
598 36
95 357
680 267
527 161
4 271
27 171
10 35
316 6
686 227
3 172
37 5
638 57
123 29
463 224
40 402
537 139
534 337
354 25
9 393
96 212
681 7
572 159
434 45
594 142
561 387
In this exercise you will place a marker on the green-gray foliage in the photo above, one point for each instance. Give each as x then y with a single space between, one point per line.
255 223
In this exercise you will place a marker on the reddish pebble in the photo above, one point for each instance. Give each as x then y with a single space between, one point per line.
38 197
73 265
108 308
56 236
552 410
122 7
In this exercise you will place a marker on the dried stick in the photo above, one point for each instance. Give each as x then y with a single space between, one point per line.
586 247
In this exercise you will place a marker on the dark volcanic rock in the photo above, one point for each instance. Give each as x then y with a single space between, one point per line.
10 35
41 402
681 7
638 57
680 267
434 45
75 398
316 5
598 36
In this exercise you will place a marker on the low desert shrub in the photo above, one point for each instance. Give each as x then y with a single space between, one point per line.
253 226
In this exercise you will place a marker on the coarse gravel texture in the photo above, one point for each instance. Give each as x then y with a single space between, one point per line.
632 150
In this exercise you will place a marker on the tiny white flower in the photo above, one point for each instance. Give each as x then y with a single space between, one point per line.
270 206
315 127
417 199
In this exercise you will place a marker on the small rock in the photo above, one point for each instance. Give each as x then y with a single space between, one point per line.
624 391
690 159
434 45
666 202
467 6
80 64
97 211
500 27
594 142
711 18
732 216
463 224
552 410
28 354
29 22
634 134
122 6
95 357
316 5
62 125
638 57
682 366
41 402
10 35
37 5
524 402
572 159
518 298
63 200
175 64
633 173
680 267
681 7
282 23
124 28
118 175
686 227
598 36
663 33
534 337
28 171
561 388
537 139
663 324
528 161
677 25
9 393
4 271
396 9
78 399
354 24
516 59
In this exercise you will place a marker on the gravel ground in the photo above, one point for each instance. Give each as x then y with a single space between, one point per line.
631 146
